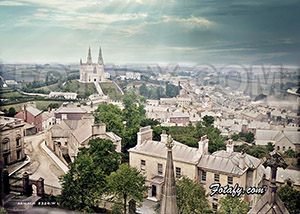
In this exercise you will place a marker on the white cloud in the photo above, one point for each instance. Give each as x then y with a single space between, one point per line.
11 3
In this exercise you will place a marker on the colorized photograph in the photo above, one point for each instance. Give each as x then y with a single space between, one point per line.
149 107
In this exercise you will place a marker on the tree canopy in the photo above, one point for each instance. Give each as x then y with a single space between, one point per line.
85 182
125 184
232 205
291 198
191 197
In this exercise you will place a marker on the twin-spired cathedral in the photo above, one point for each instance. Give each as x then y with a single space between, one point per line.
92 72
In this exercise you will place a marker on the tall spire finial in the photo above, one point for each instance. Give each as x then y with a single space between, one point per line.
89 58
168 202
100 59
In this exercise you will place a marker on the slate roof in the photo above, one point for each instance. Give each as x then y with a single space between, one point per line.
285 174
228 163
32 110
181 152
70 109
83 132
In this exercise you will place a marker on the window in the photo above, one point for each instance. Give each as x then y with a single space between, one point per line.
159 169
215 199
178 172
278 147
143 165
230 180
203 176
19 154
290 147
5 144
214 206
217 177
283 148
18 140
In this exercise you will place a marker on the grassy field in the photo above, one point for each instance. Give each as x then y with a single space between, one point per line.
83 90
53 87
41 105
111 90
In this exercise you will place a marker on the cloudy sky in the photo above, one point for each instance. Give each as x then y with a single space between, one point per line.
151 31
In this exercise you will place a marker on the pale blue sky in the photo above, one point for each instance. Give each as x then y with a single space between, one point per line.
151 31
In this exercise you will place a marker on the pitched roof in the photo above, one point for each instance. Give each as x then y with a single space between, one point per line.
285 174
263 205
113 136
32 110
70 109
181 152
83 132
226 162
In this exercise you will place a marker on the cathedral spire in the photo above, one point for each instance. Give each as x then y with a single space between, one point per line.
168 202
89 58
100 59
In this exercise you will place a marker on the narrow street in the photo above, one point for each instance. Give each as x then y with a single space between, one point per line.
41 165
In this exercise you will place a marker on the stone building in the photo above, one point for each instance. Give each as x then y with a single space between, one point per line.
69 112
68 136
224 167
32 116
92 72
12 140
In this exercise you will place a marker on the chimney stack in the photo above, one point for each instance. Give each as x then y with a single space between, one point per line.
164 137
242 163
229 146
203 145
144 134
98 129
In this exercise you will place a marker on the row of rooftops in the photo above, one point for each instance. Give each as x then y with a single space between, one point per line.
228 162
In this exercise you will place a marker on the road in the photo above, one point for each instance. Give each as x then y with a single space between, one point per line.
41 165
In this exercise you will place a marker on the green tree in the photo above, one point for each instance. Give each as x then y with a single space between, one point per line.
127 183
291 198
208 120
232 205
53 105
257 151
111 115
290 153
133 113
235 137
85 182
270 147
11 112
143 90
191 197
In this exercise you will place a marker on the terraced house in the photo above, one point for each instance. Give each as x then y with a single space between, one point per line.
224 167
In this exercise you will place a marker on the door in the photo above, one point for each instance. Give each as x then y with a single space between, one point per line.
153 191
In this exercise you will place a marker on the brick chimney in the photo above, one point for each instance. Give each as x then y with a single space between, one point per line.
203 145
144 134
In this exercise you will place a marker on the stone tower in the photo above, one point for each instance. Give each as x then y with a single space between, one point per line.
92 72
168 202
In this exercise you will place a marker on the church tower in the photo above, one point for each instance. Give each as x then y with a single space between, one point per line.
89 58
100 59
92 72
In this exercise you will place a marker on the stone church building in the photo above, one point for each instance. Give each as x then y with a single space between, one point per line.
92 72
